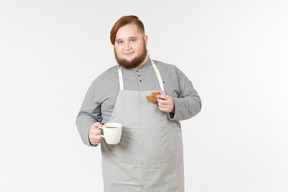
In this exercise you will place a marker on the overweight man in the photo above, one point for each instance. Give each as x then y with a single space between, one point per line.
149 156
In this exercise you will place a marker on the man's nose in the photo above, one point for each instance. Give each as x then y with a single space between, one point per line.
127 45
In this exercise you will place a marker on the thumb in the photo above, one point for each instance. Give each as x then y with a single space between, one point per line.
97 124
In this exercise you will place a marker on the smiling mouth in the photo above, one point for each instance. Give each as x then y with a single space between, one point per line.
128 54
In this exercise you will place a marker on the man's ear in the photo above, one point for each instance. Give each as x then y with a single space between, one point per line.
146 39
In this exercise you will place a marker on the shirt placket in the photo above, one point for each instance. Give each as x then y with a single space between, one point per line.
139 77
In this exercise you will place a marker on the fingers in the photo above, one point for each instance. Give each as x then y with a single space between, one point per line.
95 140
94 134
97 124
163 99
97 131
94 129
165 103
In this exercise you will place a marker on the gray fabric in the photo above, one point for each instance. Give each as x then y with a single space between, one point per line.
149 155
101 96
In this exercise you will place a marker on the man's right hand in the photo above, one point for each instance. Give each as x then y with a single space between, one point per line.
94 134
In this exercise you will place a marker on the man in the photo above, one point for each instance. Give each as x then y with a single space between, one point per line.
149 157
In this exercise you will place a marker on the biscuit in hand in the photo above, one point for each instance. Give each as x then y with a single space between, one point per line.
152 98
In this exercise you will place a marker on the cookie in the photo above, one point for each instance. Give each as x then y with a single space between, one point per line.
152 98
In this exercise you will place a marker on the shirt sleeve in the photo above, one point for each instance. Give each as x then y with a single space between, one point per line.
89 113
187 103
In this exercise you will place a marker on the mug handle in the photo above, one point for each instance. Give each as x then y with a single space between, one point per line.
102 129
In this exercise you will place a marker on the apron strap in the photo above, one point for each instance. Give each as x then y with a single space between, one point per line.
120 75
158 75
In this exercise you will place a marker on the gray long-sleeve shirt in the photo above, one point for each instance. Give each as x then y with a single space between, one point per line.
101 96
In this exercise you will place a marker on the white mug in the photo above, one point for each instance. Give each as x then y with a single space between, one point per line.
112 132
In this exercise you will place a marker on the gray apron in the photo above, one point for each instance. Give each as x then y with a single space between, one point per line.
149 157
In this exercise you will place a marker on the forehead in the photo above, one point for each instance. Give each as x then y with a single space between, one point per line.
128 31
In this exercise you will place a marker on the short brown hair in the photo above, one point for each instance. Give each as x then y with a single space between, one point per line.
125 20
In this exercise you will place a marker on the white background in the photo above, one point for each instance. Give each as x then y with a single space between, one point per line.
235 53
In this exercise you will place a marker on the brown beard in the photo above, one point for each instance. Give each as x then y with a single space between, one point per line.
134 62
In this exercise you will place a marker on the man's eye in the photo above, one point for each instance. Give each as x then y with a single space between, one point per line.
132 40
120 42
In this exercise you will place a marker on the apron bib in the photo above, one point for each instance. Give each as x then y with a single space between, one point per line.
149 157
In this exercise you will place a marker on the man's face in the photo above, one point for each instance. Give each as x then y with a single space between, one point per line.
130 46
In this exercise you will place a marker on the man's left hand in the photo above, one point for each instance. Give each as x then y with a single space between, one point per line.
165 103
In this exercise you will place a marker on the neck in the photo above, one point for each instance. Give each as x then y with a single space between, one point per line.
143 63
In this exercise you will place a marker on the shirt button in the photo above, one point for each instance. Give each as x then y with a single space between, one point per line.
140 80
138 75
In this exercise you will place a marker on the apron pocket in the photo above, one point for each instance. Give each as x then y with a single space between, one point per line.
124 172
143 176
147 144
117 187
160 176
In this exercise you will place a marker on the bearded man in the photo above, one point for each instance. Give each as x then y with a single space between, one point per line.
149 156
